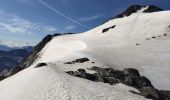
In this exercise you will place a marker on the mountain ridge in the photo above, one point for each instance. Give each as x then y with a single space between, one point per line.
132 50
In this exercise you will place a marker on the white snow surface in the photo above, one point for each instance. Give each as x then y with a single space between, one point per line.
115 48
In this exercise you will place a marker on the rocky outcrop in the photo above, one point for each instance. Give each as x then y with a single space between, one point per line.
107 29
80 60
152 8
134 8
129 76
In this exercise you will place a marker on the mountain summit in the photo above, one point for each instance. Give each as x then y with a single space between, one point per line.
135 8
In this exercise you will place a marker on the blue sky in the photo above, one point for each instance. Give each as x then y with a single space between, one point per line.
30 20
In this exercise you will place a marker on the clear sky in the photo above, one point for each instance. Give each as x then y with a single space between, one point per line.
31 20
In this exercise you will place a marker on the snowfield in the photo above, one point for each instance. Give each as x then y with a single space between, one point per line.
117 48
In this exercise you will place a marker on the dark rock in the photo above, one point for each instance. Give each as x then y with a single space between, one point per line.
153 37
112 80
131 72
164 95
137 81
81 70
130 10
77 74
107 75
100 77
93 62
91 77
150 92
80 60
1 77
70 72
113 26
107 29
68 63
119 75
152 8
128 76
82 73
137 44
164 34
143 82
40 65
69 33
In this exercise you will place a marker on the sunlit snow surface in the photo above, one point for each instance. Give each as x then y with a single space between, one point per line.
116 48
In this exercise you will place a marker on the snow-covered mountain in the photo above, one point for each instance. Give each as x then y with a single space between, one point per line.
139 39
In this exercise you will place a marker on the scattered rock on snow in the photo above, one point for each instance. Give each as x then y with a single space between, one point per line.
40 65
153 37
164 34
93 62
80 60
107 29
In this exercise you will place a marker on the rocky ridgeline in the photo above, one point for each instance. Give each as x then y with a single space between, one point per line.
134 8
34 55
128 76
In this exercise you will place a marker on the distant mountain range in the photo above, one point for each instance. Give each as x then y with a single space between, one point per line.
11 56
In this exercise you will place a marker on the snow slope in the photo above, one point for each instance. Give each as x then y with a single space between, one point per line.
115 48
